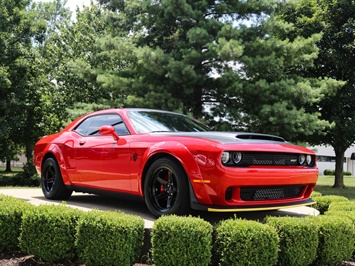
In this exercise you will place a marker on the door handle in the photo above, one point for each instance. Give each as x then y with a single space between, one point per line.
82 142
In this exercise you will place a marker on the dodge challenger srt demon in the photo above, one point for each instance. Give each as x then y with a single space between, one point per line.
174 163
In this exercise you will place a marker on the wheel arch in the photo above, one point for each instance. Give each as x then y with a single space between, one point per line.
180 154
53 151
157 156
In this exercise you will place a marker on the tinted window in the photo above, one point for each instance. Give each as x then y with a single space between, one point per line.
153 121
90 126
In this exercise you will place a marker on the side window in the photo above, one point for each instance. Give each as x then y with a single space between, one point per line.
91 125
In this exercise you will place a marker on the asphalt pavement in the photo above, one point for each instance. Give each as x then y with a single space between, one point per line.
88 202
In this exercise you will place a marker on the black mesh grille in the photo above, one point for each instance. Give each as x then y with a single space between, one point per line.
269 158
270 193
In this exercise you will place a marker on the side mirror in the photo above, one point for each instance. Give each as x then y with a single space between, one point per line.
108 130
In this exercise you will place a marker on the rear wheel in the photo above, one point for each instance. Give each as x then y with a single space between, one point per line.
166 188
52 182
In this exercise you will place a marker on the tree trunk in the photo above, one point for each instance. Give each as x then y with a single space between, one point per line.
339 168
8 166
29 151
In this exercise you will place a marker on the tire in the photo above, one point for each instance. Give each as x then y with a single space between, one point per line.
52 182
166 189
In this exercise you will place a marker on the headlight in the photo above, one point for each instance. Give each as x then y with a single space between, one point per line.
225 157
309 159
301 159
237 157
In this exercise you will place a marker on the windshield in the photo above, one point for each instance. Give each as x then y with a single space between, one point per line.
155 121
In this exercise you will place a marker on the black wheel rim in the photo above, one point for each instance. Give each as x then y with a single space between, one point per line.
164 190
49 178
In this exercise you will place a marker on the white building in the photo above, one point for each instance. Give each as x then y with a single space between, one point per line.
326 159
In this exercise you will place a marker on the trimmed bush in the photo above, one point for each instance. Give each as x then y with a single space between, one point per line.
109 238
11 210
181 241
342 206
324 202
347 173
316 194
298 240
336 239
347 214
48 232
329 172
241 242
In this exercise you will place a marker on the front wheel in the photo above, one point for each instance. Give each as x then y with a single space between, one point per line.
166 188
52 182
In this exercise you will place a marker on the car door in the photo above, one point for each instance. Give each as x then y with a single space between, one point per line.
101 161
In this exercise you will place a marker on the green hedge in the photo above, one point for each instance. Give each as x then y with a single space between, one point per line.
109 238
342 206
58 234
11 210
332 172
336 239
48 232
298 240
181 241
315 194
242 242
323 202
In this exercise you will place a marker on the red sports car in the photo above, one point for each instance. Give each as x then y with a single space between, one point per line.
175 163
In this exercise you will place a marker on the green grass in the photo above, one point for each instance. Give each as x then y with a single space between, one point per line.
325 183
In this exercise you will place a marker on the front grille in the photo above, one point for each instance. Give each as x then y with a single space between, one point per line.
270 193
269 158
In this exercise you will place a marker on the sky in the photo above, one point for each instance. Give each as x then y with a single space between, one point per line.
72 4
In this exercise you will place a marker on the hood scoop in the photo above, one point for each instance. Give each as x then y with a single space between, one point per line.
256 136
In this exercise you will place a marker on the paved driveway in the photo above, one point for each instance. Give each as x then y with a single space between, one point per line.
89 201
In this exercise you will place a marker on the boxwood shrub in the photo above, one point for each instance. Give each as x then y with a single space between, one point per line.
316 194
342 206
242 242
109 238
323 202
298 240
181 241
48 232
11 210
329 172
336 239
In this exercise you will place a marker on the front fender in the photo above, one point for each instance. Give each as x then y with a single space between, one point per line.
187 161
54 150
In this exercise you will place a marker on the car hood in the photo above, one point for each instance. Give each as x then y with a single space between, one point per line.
226 137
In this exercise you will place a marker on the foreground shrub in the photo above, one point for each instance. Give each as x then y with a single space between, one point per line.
48 232
336 239
109 238
11 211
181 241
323 202
316 194
241 242
298 240
342 206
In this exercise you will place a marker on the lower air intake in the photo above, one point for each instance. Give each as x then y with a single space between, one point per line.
271 193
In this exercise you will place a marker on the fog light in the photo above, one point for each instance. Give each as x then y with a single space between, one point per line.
225 157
